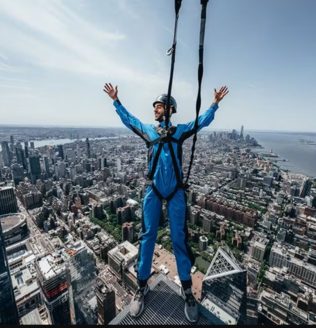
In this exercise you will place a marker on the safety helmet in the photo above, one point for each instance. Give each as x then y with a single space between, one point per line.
163 99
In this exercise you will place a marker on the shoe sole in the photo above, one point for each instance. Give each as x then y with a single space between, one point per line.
143 305
185 310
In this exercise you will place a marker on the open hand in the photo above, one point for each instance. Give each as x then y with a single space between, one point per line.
112 92
219 95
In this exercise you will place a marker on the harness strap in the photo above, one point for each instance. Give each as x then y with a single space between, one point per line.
172 51
153 169
174 162
150 181
200 78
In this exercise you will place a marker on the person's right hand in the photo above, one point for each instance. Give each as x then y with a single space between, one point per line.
112 92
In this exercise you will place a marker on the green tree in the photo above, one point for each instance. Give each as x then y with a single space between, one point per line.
262 271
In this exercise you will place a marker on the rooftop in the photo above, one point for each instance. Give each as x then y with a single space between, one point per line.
218 311
11 220
126 251
32 318
164 306
50 267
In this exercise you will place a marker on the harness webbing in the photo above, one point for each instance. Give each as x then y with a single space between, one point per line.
200 78
172 51
167 137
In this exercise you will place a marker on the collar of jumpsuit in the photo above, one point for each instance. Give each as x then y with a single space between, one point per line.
163 124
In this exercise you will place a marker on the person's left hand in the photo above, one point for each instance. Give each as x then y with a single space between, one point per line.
219 95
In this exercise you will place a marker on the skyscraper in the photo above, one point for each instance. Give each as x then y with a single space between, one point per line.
46 164
11 140
8 310
20 157
32 145
61 151
17 173
242 132
6 153
225 287
26 150
35 168
52 276
106 302
78 150
88 150
8 203
306 188
82 294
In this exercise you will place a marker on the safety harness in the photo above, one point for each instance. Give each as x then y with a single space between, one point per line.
166 134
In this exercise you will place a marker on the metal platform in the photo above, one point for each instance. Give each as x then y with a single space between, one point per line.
164 306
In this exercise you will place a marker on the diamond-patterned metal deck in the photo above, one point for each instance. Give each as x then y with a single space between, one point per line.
164 306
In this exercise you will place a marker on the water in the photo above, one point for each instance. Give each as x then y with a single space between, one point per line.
301 157
55 142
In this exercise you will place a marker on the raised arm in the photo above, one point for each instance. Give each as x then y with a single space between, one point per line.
205 119
127 118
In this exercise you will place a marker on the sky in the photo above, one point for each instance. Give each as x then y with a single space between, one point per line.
56 55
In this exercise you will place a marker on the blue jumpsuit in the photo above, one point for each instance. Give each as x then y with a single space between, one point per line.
166 182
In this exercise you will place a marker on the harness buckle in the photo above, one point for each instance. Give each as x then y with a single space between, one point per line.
149 182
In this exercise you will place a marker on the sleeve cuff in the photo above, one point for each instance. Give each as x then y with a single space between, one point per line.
117 103
215 106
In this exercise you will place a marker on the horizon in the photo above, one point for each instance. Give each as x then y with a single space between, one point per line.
208 129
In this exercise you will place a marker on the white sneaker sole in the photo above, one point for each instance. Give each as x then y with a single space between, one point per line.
143 305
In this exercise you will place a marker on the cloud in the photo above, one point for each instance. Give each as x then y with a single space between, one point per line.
55 37
56 41
253 86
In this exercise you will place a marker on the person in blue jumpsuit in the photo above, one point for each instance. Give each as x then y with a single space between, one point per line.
164 184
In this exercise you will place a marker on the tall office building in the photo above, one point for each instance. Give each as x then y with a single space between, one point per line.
62 169
26 151
306 188
8 203
106 302
78 150
6 154
20 157
46 164
12 140
224 288
61 151
242 132
52 276
8 310
88 150
35 167
17 173
32 144
82 294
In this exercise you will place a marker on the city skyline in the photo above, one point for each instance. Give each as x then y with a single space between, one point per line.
55 58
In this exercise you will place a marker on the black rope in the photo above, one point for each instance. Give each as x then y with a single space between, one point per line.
200 78
172 51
